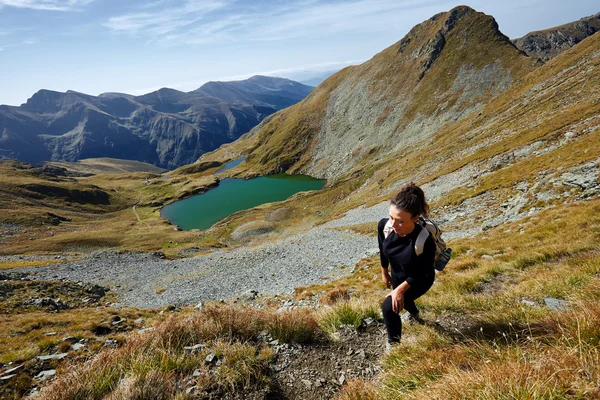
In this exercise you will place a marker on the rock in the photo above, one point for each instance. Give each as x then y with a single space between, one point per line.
70 339
570 135
43 302
139 321
528 302
141 331
52 357
7 377
342 379
361 354
10 371
77 346
50 334
368 321
584 177
199 306
307 383
42 376
196 373
194 348
110 343
487 257
211 359
248 295
556 304
371 252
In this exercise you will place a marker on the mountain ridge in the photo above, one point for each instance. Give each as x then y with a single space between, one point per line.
167 127
459 57
548 43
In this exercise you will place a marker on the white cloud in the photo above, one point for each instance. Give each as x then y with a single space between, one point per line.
192 22
48 5
283 72
163 21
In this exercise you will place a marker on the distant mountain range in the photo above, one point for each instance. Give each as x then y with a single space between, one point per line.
167 128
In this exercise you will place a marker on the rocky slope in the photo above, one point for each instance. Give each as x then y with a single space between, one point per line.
166 128
551 42
443 70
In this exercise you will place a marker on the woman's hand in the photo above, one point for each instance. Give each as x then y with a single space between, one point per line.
397 300
385 276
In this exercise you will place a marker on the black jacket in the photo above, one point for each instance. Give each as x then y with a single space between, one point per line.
399 252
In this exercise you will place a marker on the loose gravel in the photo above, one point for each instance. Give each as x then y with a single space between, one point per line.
146 280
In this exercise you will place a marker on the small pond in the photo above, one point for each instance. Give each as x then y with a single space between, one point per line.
203 210
230 165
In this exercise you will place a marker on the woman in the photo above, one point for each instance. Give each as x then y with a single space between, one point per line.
411 275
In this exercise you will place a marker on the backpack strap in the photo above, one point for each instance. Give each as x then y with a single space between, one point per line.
420 242
387 229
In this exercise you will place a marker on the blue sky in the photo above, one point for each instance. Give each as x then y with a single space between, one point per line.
132 46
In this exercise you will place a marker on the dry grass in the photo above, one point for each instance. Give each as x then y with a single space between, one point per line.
497 347
22 336
351 312
156 364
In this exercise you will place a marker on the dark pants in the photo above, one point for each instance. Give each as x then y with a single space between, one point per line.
392 320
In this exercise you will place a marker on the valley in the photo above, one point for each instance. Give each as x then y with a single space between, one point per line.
506 147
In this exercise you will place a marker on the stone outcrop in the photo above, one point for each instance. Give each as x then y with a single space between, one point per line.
551 42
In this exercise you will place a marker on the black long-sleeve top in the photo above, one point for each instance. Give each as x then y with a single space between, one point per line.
399 252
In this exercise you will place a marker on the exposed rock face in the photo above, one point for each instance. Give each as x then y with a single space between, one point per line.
551 42
166 128
443 70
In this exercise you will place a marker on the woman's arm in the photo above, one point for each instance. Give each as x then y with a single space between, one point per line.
385 275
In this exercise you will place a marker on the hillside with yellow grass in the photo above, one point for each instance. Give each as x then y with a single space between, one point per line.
507 150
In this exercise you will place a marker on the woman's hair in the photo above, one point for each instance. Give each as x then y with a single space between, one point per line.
411 199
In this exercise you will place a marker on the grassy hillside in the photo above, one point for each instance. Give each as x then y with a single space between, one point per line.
95 166
488 331
513 169
440 72
45 212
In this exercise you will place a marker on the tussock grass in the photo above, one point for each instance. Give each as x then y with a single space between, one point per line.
157 365
357 389
348 313
22 335
489 343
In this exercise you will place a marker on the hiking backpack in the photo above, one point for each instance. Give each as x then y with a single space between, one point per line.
442 252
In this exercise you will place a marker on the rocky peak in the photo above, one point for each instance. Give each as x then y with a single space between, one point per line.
549 43
427 45
43 98
444 69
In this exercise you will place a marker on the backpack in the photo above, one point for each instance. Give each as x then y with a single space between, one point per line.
442 252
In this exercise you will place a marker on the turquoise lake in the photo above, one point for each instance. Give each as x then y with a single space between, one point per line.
203 210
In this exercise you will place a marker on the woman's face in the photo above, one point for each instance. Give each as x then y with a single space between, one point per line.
402 222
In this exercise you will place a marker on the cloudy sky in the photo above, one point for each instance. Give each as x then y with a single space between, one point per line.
134 46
